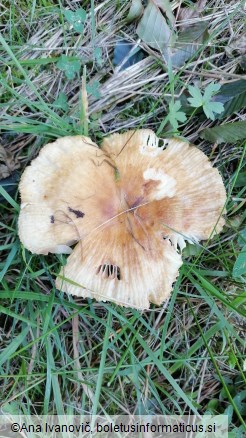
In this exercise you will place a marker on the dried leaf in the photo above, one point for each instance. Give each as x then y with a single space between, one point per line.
188 42
237 45
7 163
193 11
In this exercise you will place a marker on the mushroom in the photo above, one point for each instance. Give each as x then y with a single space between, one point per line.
130 206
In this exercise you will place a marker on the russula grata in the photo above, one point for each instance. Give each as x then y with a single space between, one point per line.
129 205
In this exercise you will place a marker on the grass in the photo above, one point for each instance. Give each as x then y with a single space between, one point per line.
61 354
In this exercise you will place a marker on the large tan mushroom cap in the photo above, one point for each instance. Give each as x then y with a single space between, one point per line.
129 206
121 263
61 192
186 195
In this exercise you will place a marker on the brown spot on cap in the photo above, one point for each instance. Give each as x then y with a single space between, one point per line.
78 213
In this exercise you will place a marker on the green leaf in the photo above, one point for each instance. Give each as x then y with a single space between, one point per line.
210 90
76 19
232 360
166 7
191 250
51 369
174 115
61 102
198 100
135 11
233 96
240 400
94 89
9 260
229 412
228 133
216 107
241 180
212 107
239 267
239 301
70 67
8 198
153 28
6 353
154 31
213 404
242 238
101 369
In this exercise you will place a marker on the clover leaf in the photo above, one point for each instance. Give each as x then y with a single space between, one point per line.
76 19
94 89
205 101
61 102
69 66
